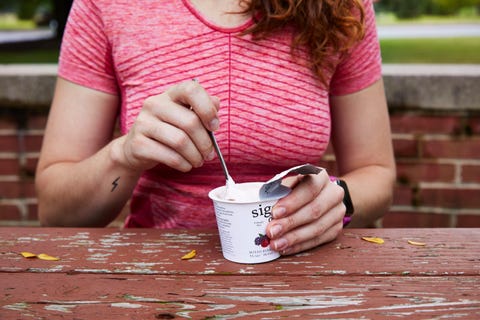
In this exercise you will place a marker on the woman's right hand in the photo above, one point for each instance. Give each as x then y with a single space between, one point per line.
171 129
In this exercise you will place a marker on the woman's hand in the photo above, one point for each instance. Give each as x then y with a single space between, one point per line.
310 215
171 129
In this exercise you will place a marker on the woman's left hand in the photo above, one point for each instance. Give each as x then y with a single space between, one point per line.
312 214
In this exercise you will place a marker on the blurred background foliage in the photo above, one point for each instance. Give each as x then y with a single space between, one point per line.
52 14
404 9
24 14
43 11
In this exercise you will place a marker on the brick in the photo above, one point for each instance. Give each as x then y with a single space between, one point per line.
9 143
17 189
415 220
8 124
465 148
32 212
10 212
468 221
9 167
471 173
33 143
403 195
30 166
28 188
473 125
405 148
413 172
424 124
450 198
37 122
10 189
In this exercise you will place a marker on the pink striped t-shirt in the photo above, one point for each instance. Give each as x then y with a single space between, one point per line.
274 112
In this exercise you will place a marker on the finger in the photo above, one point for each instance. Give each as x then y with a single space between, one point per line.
145 152
178 141
330 196
327 236
216 102
191 93
292 181
309 235
186 121
306 188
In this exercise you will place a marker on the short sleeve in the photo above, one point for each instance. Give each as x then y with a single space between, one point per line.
85 56
363 65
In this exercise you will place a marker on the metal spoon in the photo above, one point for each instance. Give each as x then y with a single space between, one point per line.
229 181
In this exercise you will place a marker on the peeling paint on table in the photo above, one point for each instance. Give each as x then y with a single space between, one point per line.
139 274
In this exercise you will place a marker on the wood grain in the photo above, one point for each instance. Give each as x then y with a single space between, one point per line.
139 274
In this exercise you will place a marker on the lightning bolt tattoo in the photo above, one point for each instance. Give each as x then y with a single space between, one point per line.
115 184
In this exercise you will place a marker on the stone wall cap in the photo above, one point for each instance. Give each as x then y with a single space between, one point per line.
28 69
413 86
464 70
387 69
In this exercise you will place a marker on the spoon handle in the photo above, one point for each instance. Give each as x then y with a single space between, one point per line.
220 156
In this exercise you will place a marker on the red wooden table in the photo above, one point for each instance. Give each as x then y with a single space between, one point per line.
138 274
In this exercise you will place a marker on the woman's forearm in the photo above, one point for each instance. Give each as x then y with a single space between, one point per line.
91 192
371 190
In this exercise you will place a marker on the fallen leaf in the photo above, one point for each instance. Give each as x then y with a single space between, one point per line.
415 243
44 256
190 255
374 240
26 254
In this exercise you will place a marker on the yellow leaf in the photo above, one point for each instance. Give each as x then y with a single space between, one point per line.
26 254
374 240
44 256
190 255
415 243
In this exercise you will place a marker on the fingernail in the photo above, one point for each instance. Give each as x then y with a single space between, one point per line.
210 156
280 244
214 124
275 230
278 212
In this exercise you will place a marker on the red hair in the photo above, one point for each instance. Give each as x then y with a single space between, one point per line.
324 27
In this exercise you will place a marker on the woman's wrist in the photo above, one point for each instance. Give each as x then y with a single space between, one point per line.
119 159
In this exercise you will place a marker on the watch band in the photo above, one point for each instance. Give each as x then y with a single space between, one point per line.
347 201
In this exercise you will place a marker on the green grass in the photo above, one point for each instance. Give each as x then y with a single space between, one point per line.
441 50
448 50
383 18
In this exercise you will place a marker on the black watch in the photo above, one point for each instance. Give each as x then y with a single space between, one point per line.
347 201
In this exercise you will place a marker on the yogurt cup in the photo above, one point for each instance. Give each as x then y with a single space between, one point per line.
243 214
242 221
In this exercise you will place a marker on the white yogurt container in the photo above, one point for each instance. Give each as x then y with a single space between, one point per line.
242 223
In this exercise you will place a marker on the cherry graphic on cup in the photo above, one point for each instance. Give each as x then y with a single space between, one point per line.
262 240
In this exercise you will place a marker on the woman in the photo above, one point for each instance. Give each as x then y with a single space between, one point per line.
277 82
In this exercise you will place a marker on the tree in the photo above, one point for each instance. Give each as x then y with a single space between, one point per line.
447 7
405 8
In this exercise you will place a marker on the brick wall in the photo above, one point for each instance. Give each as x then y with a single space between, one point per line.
437 148
21 134
438 170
